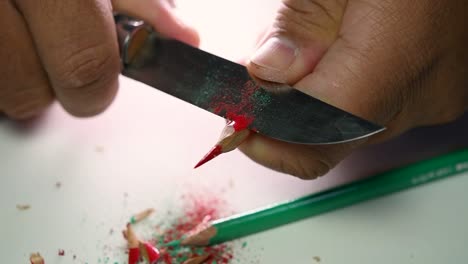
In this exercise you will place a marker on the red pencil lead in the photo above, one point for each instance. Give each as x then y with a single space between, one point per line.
231 138
214 152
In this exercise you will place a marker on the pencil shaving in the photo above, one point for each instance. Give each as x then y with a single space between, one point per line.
141 215
23 207
197 260
150 253
131 237
137 248
36 258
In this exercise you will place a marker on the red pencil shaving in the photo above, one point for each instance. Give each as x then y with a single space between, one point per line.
232 136
149 252
36 258
61 252
138 248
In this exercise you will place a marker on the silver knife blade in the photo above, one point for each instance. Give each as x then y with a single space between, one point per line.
227 89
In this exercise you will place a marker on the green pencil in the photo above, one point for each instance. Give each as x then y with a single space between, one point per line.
252 222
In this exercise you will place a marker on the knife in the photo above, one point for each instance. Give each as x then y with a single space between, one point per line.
228 90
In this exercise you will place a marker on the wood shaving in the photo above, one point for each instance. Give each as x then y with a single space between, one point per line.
23 207
36 258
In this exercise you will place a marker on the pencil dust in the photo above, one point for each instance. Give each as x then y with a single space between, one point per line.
196 213
235 108
154 229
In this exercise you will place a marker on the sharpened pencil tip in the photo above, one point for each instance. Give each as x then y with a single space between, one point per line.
214 152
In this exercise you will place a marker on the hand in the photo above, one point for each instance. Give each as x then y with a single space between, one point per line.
399 63
68 50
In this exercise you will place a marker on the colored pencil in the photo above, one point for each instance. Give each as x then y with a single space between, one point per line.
231 137
386 183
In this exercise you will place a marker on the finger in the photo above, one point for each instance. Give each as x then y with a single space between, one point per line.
297 40
162 16
367 70
24 88
362 72
245 59
305 162
76 42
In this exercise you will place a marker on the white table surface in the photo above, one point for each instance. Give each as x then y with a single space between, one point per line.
140 153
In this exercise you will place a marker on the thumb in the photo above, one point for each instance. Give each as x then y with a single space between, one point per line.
301 34
161 14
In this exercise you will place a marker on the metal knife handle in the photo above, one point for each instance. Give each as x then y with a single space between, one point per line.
131 35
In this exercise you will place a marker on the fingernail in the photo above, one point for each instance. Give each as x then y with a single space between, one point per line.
274 58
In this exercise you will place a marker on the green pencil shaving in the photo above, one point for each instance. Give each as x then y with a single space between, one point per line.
141 216
389 182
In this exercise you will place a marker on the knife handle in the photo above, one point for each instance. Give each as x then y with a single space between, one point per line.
131 34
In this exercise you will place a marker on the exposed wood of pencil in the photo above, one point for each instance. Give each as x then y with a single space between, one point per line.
201 238
229 140
386 183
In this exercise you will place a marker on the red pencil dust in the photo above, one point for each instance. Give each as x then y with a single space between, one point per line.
198 210
239 110
233 134
240 122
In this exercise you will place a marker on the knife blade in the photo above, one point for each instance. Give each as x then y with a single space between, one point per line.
228 90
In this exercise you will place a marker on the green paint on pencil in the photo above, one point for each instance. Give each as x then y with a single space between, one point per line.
386 183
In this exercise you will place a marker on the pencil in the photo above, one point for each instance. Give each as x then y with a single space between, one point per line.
386 183
231 137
